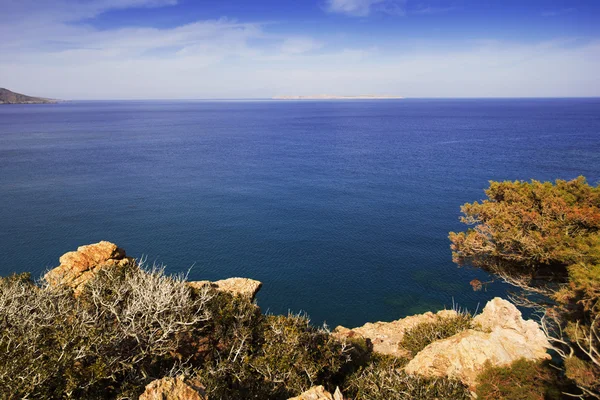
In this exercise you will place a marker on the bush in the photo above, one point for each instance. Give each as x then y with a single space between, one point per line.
522 380
282 357
425 333
384 379
128 327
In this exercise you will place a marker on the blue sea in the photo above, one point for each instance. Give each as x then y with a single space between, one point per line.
341 208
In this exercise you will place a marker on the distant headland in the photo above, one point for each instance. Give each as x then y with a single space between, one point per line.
334 97
9 97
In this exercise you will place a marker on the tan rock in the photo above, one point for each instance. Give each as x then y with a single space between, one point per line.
319 393
174 389
236 286
78 267
386 336
501 338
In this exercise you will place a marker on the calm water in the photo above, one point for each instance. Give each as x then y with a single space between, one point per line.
342 209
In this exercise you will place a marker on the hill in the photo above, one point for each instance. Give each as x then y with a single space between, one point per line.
9 97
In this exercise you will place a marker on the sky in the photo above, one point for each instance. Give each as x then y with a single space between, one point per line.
199 49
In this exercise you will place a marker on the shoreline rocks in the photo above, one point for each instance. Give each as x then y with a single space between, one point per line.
78 267
386 336
501 337
237 286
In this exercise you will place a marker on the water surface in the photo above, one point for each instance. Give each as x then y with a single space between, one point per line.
341 208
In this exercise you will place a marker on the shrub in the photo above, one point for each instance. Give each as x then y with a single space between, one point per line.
522 380
127 327
282 357
425 333
384 379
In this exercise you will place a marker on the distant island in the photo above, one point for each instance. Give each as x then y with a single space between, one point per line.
334 97
9 97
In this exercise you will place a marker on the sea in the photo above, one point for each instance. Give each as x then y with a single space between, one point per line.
341 208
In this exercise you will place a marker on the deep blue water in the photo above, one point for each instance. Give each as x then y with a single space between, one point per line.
342 209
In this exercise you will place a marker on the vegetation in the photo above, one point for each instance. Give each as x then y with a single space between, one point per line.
545 238
523 380
130 326
384 379
126 328
425 333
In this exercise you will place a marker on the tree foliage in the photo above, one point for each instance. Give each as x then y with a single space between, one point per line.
545 238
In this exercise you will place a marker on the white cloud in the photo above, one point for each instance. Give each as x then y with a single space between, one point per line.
298 45
431 10
362 8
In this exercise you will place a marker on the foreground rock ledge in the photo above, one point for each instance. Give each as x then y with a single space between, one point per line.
386 336
319 393
501 337
174 389
78 267
237 286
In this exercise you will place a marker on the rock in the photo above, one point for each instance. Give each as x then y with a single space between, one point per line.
501 338
174 389
319 393
386 336
236 286
78 267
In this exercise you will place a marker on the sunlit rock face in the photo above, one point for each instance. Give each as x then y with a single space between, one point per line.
237 286
78 267
387 336
501 337
174 389
319 393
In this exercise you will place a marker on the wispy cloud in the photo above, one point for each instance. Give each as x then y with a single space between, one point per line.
556 13
44 11
363 8
299 45
431 10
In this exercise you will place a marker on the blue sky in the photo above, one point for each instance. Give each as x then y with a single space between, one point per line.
184 49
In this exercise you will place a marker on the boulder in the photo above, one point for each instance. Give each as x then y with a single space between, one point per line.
319 393
78 267
174 389
386 336
501 337
236 286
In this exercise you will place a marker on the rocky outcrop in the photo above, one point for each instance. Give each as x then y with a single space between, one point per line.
319 393
237 286
386 336
174 389
78 267
502 336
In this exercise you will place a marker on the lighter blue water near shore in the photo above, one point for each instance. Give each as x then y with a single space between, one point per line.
341 208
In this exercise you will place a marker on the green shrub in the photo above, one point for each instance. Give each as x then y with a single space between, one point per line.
522 380
425 333
384 379
278 358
